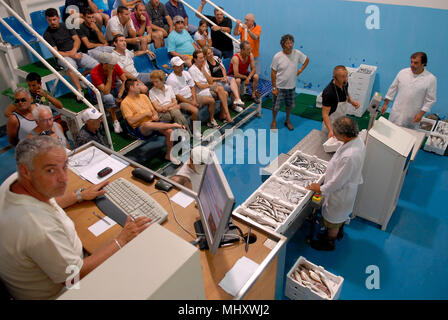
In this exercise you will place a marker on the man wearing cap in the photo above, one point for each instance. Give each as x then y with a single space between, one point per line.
180 42
104 77
90 131
184 89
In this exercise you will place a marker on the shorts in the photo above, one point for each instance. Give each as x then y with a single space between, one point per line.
330 225
286 95
86 62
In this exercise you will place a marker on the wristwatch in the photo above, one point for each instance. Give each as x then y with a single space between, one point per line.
79 195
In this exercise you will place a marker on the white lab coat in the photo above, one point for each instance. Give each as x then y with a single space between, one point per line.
341 180
415 93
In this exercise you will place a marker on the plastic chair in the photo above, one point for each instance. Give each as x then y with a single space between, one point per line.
163 58
143 64
226 63
110 3
19 28
38 21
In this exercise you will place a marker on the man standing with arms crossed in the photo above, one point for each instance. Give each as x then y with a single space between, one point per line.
283 76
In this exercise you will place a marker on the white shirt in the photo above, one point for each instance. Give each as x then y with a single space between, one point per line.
199 77
181 85
341 180
162 98
198 36
126 61
415 93
286 68
37 244
114 26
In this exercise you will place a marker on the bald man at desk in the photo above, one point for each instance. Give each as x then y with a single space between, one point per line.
34 261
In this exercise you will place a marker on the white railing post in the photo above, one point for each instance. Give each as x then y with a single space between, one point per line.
61 58
209 21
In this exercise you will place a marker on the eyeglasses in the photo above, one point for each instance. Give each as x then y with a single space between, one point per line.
82 162
20 100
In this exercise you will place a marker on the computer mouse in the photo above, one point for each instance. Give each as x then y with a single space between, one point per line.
143 175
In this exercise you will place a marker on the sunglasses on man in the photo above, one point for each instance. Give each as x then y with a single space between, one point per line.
20 100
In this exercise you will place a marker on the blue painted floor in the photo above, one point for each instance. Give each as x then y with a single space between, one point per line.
412 254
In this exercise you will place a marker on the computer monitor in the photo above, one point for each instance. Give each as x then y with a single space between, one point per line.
215 206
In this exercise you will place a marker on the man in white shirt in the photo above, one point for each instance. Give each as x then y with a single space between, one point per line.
125 59
341 180
122 24
38 241
417 91
283 76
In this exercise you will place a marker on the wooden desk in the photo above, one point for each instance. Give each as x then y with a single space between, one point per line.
214 267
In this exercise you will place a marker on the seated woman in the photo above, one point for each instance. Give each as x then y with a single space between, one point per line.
46 126
164 100
141 115
219 75
203 38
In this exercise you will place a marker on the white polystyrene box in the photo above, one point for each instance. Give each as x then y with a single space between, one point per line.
432 147
296 291
306 156
442 127
426 123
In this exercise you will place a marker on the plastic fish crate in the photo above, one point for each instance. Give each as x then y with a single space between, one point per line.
308 157
429 123
442 128
296 291
436 149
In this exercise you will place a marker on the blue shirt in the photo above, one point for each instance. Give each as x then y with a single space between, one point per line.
173 11
180 42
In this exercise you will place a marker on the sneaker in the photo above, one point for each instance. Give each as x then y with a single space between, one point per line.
175 161
212 124
81 93
117 127
237 108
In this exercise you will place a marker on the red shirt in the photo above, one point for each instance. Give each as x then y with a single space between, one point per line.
242 67
99 76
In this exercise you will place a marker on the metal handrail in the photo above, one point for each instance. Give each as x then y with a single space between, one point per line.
61 58
211 22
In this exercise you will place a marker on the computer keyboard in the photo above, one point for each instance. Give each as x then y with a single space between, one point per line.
133 201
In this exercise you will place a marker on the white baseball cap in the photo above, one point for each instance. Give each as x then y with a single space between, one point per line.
91 114
176 61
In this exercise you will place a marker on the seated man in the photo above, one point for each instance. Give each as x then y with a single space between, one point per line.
46 126
105 77
142 25
223 25
34 261
164 100
21 121
90 131
126 62
122 24
204 82
139 112
79 6
183 86
67 43
93 41
176 8
341 180
38 94
239 68
180 43
160 19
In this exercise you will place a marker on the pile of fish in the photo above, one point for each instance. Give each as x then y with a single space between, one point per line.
436 141
284 192
442 128
301 179
313 279
309 165
271 209
427 126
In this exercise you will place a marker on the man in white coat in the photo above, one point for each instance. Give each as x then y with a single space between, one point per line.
417 89
341 180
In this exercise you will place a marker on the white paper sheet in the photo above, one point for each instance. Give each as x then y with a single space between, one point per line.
99 227
89 162
236 277
182 199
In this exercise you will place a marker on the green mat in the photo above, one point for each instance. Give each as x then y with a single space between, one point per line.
305 106
40 68
10 94
70 103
